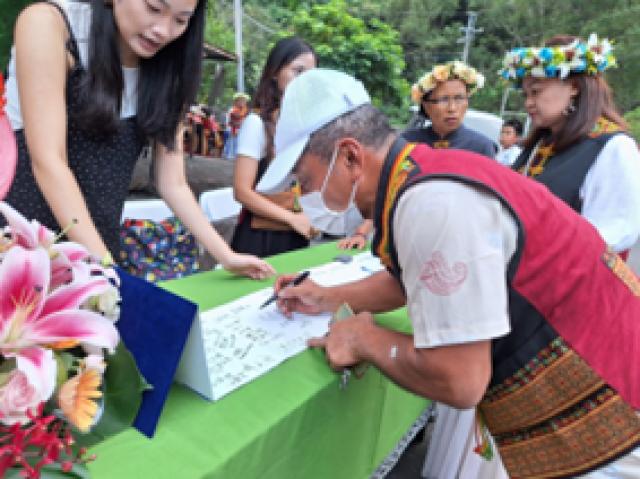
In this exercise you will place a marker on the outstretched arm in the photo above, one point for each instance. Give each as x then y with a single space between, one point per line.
173 187
377 293
456 375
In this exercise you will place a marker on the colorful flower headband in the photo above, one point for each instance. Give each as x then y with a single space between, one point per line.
592 57
455 70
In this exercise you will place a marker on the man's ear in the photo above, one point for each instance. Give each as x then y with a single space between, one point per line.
352 151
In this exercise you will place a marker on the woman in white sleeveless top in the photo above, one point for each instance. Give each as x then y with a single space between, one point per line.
89 83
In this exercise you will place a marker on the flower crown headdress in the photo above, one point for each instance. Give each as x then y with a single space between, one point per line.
591 58
455 70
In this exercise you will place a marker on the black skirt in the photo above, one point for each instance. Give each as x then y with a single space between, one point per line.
264 243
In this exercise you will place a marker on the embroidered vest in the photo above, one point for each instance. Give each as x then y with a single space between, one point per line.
565 385
564 173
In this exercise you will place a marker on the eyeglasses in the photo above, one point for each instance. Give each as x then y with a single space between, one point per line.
457 100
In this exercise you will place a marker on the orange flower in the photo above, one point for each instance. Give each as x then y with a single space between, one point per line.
76 398
68 344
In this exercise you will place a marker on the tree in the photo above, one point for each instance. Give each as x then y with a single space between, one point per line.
429 30
10 10
369 50
633 118
257 41
390 43
345 40
511 23
219 34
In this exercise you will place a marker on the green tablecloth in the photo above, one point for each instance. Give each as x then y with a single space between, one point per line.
292 422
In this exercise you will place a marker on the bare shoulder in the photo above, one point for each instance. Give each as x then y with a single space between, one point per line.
42 62
40 23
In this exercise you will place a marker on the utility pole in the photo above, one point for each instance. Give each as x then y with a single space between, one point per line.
237 21
469 33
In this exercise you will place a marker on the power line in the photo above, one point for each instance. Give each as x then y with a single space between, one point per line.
259 24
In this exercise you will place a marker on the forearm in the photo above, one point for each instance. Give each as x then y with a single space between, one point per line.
62 193
172 185
395 356
261 206
180 199
377 293
440 374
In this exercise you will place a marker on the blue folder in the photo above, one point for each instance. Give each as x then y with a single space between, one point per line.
154 325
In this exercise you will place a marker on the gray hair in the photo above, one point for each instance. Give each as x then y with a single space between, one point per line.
366 124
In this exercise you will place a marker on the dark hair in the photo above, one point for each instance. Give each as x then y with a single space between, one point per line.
594 100
267 96
515 124
366 124
168 82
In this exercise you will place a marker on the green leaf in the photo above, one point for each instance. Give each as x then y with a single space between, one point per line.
7 365
123 387
64 363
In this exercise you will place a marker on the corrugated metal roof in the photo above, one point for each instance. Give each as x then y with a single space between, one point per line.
212 52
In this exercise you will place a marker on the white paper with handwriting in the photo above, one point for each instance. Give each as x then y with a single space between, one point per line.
232 344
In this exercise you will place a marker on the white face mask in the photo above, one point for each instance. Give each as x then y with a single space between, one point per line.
324 218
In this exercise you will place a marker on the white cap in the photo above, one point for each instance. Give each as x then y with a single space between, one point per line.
311 100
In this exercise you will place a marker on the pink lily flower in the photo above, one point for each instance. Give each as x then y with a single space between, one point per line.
27 386
68 263
25 233
30 317
69 260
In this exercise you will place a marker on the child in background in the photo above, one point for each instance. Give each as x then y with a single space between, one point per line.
510 136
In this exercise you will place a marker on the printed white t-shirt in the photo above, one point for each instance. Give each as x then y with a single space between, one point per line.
454 243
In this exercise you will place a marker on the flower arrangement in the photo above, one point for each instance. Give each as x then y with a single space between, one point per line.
455 70
58 306
591 58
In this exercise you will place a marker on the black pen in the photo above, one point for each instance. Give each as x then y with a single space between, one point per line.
296 281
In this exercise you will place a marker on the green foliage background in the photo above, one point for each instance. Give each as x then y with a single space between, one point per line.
633 118
388 44
9 10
